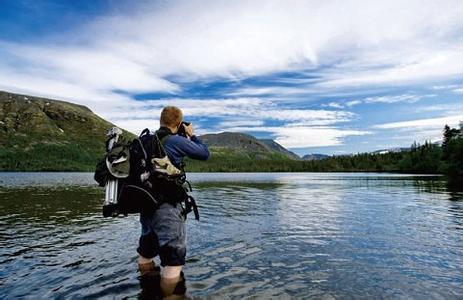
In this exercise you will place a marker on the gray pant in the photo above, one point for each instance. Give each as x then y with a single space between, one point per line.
163 233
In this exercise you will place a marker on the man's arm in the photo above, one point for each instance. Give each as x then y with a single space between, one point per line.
178 147
196 149
193 147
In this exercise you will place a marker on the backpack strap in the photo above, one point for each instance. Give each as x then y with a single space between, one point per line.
164 138
160 144
145 131
142 148
161 136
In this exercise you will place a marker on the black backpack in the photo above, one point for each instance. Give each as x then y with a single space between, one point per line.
147 184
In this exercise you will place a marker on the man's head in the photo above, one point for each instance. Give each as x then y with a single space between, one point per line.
171 117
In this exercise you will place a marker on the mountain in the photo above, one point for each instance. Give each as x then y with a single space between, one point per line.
235 143
279 148
39 134
44 134
315 156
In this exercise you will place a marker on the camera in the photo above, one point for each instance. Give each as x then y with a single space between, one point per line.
181 129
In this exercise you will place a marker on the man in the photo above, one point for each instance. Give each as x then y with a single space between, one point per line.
163 232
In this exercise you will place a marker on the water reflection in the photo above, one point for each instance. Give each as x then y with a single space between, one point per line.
452 188
263 235
455 188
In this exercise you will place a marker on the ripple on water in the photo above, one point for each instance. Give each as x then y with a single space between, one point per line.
266 235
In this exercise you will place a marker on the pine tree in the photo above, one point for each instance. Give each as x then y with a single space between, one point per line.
445 142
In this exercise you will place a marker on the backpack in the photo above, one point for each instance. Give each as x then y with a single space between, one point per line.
116 161
138 175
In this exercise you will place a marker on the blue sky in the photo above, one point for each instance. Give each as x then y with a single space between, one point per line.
329 77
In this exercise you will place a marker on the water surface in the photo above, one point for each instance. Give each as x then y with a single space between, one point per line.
317 235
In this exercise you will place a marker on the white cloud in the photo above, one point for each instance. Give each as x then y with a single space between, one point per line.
137 125
376 43
420 130
334 105
444 87
272 91
190 107
432 64
423 123
44 86
405 137
291 136
410 98
250 108
236 39
448 108
299 127
300 137
238 123
432 135
389 99
353 103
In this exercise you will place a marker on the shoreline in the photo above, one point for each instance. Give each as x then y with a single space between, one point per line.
230 172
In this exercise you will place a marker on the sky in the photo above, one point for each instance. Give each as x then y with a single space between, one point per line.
330 77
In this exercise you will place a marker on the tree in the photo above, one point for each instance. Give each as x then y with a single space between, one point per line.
449 134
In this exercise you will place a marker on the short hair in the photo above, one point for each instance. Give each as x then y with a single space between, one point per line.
171 116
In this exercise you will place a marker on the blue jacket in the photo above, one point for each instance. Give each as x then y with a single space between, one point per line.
178 147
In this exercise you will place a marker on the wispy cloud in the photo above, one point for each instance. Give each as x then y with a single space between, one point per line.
166 47
433 64
137 125
232 113
238 123
423 123
388 99
448 108
303 136
353 103
409 98
240 107
444 87
240 39
334 105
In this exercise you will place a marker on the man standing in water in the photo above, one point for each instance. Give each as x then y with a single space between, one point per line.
163 231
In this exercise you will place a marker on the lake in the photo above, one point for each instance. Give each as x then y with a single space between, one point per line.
321 235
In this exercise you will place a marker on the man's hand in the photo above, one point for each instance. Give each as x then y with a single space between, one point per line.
188 129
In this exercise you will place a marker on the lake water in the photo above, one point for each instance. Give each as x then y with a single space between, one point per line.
267 235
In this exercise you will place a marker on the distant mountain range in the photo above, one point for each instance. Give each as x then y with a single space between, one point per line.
44 134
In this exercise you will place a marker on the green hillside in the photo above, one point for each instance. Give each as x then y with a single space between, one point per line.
245 146
39 134
224 159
